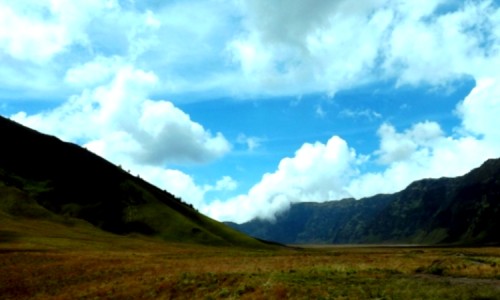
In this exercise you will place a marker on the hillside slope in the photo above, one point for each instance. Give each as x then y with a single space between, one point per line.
43 177
462 210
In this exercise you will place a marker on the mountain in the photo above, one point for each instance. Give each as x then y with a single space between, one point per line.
461 210
42 177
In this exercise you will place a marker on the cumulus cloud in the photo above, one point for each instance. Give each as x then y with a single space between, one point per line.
174 181
480 110
94 72
181 184
117 119
49 37
396 146
182 140
317 172
226 183
53 26
323 45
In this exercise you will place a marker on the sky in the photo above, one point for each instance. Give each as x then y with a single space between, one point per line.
244 107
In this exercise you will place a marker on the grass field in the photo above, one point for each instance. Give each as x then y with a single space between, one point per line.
96 265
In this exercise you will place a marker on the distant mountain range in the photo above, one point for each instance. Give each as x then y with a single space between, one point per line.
461 210
44 178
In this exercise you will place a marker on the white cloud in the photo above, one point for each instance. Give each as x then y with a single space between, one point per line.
424 150
166 38
176 182
251 142
117 146
152 20
109 107
49 38
361 113
437 49
226 183
292 21
317 172
449 157
117 119
396 147
248 47
320 112
331 45
300 46
181 184
172 135
480 110
94 72
50 25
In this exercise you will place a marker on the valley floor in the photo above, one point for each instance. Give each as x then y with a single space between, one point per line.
109 267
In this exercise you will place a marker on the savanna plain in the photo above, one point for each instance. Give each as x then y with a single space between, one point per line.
43 260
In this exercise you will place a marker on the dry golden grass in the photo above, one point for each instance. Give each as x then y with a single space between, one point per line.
97 265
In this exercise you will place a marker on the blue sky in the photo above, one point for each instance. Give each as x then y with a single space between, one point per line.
243 107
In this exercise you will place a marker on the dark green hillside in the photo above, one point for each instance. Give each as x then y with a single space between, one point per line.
310 222
43 177
462 210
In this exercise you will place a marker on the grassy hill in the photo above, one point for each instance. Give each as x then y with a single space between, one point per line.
462 210
42 177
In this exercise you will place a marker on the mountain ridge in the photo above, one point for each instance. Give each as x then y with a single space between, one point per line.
460 210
